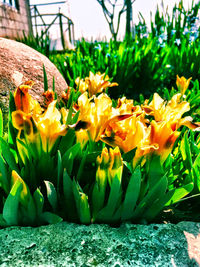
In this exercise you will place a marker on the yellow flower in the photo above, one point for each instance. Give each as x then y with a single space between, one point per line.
155 108
125 131
64 112
94 112
46 126
25 193
109 164
49 126
160 138
82 137
187 121
24 101
163 136
82 85
182 84
66 95
171 111
49 97
126 106
22 121
116 165
95 83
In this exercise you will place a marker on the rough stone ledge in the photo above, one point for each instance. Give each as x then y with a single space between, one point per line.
67 244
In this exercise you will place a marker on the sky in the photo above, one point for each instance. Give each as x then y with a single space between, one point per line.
89 20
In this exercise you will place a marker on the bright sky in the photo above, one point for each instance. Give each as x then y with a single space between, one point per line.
88 18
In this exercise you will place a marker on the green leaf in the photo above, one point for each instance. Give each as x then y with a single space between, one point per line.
50 218
128 166
45 79
10 209
59 173
1 123
129 155
3 176
67 187
155 170
51 194
39 201
2 221
85 216
132 194
70 205
22 150
71 99
69 116
82 164
75 118
196 172
98 193
82 205
28 213
114 201
155 194
25 196
157 206
8 156
12 132
179 193
67 141
186 152
69 156
53 84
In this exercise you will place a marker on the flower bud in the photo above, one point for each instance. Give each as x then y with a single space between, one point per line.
182 84
49 97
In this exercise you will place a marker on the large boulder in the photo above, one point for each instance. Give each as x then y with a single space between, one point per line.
67 244
19 63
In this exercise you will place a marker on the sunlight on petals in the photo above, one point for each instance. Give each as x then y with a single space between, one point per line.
95 83
49 126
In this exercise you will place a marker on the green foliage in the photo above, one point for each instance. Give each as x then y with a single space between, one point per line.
35 194
138 67
39 186
68 182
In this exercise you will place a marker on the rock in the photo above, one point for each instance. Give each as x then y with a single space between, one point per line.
67 244
19 63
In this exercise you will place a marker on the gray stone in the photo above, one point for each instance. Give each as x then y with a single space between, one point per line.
67 244
19 63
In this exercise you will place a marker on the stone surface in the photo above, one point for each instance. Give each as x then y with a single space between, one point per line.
19 63
66 244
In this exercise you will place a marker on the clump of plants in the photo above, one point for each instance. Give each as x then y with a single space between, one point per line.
90 159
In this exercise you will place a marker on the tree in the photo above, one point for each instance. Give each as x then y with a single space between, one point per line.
109 9
128 4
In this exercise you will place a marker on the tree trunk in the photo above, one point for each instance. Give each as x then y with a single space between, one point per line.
128 17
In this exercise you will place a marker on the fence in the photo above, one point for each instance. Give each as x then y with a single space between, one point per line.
56 19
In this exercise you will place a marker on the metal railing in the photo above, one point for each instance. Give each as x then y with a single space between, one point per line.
57 19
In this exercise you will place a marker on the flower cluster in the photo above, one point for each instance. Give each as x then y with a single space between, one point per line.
149 128
68 160
38 124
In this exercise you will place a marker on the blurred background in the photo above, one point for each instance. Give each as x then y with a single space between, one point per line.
89 20
142 45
